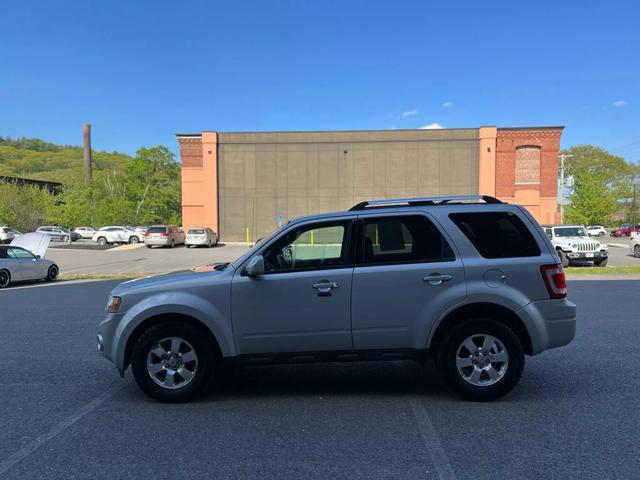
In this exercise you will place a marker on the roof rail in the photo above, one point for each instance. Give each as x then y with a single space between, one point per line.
424 201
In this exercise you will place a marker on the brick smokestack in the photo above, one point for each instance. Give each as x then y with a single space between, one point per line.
86 134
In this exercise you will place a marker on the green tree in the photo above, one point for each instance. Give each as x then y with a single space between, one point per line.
25 207
593 201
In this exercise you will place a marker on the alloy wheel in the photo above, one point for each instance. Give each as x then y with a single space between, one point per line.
482 360
172 362
53 273
4 279
636 251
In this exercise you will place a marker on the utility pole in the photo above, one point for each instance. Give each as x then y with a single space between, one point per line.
562 156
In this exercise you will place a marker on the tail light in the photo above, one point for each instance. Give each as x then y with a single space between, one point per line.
164 234
146 234
554 280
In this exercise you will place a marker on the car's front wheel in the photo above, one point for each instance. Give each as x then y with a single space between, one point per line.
5 278
636 251
172 361
481 359
134 239
52 274
102 241
601 263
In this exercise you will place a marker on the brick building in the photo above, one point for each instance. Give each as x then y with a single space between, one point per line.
244 184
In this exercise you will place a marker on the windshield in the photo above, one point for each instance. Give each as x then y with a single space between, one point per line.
196 231
570 232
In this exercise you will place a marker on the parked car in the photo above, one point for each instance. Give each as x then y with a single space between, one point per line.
24 260
625 230
116 234
634 246
596 230
201 236
572 242
164 236
142 229
7 234
475 286
85 232
58 234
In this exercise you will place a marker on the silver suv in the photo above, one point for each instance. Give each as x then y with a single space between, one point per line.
468 281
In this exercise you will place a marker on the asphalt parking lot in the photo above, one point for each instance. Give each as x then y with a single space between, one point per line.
138 260
67 414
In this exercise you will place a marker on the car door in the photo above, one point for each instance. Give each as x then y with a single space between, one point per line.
26 263
302 301
406 275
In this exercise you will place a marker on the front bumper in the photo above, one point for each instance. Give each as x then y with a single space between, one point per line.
107 336
587 255
550 323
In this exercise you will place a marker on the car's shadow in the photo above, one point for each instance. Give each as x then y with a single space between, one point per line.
359 378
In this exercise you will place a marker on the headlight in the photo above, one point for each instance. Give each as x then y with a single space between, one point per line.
114 304
604 246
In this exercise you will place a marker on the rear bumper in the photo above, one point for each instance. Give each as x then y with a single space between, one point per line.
550 323
158 241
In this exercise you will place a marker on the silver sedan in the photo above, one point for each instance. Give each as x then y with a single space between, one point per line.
18 264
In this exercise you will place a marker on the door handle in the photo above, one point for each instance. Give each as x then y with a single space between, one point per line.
324 287
437 279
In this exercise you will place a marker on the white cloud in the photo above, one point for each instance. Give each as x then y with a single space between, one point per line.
619 103
447 104
409 113
431 126
393 127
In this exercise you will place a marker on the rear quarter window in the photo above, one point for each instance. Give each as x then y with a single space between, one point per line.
497 234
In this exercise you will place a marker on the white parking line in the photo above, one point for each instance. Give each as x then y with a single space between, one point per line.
39 441
431 440
12 288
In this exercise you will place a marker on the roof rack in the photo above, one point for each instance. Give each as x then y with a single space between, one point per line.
424 201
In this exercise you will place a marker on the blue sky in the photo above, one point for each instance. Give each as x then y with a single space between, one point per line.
140 71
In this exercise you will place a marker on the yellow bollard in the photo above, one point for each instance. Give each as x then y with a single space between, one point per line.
247 234
311 237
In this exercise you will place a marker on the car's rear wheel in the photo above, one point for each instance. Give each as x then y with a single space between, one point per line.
52 274
563 258
636 251
5 278
481 359
601 263
65 238
102 241
173 243
172 361
134 239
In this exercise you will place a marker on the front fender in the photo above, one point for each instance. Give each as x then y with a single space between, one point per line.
184 303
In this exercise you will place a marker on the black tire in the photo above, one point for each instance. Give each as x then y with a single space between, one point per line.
134 239
102 241
148 246
564 260
448 352
65 238
601 263
5 278
203 373
173 244
52 274
636 251
601 234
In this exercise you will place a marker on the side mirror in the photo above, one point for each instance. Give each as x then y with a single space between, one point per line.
38 257
255 266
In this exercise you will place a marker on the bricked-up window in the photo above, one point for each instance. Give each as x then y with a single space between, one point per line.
528 165
497 234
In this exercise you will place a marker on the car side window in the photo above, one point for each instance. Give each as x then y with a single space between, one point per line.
403 239
19 253
310 247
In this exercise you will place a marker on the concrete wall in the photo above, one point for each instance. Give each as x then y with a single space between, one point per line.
265 175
